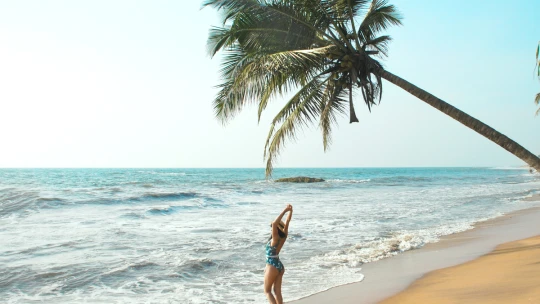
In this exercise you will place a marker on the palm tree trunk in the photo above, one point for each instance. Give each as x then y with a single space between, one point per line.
469 121
352 113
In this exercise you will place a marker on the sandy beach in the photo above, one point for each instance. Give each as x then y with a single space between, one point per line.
509 274
496 262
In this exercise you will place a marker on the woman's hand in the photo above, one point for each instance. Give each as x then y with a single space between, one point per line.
287 209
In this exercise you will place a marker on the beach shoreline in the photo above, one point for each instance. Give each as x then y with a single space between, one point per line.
508 274
388 277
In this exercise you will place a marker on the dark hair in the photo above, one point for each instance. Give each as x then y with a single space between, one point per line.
280 233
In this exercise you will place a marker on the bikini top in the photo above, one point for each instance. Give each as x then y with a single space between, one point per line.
271 251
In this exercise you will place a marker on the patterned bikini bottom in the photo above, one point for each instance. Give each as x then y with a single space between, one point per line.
276 263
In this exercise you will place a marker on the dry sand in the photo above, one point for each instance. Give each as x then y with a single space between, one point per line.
509 274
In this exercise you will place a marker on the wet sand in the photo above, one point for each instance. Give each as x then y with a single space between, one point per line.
509 274
390 276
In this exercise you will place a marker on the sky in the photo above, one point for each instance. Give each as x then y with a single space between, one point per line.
130 84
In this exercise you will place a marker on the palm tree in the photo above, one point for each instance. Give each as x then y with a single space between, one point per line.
321 51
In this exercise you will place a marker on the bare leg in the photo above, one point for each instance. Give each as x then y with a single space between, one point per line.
277 287
270 275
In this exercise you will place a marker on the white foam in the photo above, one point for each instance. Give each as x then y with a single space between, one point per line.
509 168
351 181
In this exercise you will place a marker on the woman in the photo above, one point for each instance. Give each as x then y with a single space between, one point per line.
273 274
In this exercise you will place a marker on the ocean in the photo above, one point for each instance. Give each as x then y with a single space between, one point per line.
198 235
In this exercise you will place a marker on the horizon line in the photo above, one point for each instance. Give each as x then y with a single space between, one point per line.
263 168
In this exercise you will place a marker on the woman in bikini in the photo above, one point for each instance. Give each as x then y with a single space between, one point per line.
273 274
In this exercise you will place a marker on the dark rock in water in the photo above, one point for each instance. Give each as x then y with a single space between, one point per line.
299 179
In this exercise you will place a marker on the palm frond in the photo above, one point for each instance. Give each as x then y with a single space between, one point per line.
538 60
537 101
258 62
379 44
231 97
340 10
219 38
301 110
309 13
264 30
379 17
352 5
252 78
334 104
286 70
231 8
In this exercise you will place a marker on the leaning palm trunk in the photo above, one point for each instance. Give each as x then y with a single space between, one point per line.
469 121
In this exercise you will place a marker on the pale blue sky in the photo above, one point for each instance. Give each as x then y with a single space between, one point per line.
129 84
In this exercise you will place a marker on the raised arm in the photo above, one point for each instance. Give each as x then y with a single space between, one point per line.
278 219
280 216
289 216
